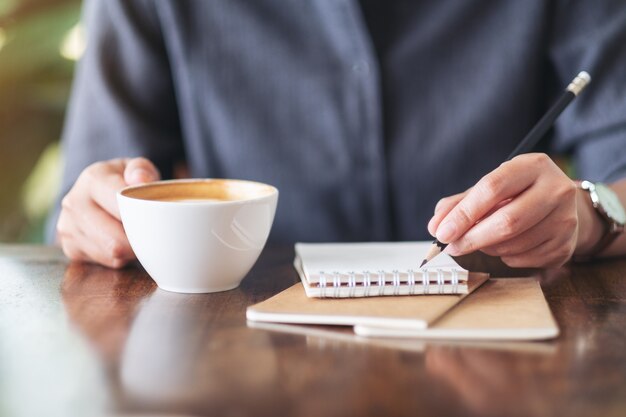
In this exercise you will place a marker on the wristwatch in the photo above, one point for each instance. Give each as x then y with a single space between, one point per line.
611 212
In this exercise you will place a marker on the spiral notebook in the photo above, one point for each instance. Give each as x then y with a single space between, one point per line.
347 270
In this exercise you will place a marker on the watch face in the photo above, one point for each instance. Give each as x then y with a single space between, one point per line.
610 203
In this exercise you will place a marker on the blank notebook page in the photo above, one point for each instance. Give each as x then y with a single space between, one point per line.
372 269
373 257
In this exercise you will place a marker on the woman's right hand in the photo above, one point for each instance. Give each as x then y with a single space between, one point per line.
89 227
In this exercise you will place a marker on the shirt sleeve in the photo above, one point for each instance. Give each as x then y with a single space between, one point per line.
591 36
122 102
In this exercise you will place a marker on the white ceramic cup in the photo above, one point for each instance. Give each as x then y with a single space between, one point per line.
199 235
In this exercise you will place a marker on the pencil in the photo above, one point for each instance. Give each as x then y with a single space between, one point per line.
574 88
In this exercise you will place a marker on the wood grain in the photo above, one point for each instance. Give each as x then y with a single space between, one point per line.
85 340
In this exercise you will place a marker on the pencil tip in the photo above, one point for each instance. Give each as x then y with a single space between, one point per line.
435 249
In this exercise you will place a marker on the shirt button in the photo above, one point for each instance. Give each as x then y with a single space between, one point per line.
361 67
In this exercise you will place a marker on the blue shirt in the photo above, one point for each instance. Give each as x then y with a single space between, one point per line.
361 145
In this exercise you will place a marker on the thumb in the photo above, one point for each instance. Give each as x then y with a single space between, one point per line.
140 170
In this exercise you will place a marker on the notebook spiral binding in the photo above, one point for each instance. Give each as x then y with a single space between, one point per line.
375 283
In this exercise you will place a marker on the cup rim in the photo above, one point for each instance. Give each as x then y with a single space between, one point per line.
121 193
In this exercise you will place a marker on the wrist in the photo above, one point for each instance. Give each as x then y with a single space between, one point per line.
590 227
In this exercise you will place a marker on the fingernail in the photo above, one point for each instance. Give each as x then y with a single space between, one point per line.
139 175
438 206
446 231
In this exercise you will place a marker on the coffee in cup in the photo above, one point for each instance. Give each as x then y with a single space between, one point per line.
199 235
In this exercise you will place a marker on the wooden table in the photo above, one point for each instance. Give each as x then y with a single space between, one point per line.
82 340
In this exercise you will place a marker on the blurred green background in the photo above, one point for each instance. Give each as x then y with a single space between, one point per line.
40 41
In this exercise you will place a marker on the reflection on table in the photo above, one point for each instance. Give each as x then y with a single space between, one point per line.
126 348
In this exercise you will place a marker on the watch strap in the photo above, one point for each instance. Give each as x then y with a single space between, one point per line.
607 238
611 231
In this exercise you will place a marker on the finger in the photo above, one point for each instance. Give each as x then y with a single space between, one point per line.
445 209
95 254
66 232
442 209
110 257
529 239
87 233
106 233
506 181
553 253
65 228
497 207
526 210
73 252
102 182
139 171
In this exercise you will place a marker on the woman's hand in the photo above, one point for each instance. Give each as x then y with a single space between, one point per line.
527 211
89 226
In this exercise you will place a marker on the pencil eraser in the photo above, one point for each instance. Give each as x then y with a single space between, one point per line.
579 83
585 76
